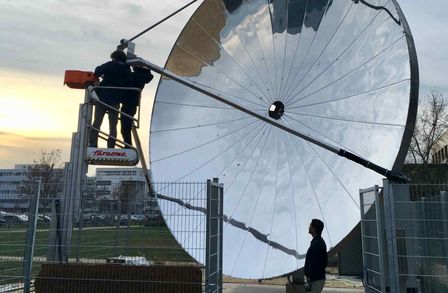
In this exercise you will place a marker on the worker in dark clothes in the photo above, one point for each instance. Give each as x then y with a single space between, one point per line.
316 258
115 73
131 100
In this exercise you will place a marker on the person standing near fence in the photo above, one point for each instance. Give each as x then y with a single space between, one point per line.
115 73
316 258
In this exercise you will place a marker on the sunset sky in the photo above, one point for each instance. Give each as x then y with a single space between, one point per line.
40 39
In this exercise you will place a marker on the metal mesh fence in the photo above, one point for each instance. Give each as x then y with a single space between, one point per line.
421 228
114 241
184 208
13 232
410 244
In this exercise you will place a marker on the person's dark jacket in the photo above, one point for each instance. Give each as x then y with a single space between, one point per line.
316 260
114 73
130 101
139 78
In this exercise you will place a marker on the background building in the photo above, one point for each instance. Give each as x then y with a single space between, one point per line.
109 181
127 186
111 189
11 197
439 152
10 180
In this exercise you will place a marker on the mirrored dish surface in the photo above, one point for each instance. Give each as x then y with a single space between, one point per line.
343 72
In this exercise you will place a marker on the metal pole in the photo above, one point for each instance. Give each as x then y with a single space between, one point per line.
363 241
380 233
391 240
52 244
67 203
207 240
421 242
213 261
128 221
78 174
117 226
85 120
64 206
59 205
80 225
341 152
221 233
443 203
58 230
164 72
138 145
124 42
31 238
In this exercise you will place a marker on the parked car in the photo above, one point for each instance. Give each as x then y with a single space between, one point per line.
23 217
44 218
14 219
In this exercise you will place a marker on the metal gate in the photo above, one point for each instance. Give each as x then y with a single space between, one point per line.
405 237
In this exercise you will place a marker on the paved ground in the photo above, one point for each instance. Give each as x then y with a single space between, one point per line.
249 288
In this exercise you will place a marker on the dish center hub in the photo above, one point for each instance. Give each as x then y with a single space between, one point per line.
276 110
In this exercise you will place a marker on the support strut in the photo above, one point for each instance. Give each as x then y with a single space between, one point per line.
341 152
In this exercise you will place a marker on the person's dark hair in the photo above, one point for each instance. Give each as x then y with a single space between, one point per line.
318 225
118 55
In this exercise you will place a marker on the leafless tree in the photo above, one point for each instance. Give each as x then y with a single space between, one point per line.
430 127
48 169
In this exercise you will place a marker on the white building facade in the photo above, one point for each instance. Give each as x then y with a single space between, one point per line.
125 185
108 180
10 180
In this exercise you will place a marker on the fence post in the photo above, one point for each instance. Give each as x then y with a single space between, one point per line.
30 240
443 202
363 241
52 236
117 226
214 237
80 217
128 224
380 233
57 231
391 240
221 234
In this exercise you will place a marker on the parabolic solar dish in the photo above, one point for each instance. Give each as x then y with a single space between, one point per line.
344 72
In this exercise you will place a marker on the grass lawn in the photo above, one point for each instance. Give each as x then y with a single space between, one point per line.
154 243
89 245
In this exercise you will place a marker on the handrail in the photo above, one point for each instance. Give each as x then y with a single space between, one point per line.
94 96
108 135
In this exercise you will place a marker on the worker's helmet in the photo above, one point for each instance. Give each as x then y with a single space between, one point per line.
118 55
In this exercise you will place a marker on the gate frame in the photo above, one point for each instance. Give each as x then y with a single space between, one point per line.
214 237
